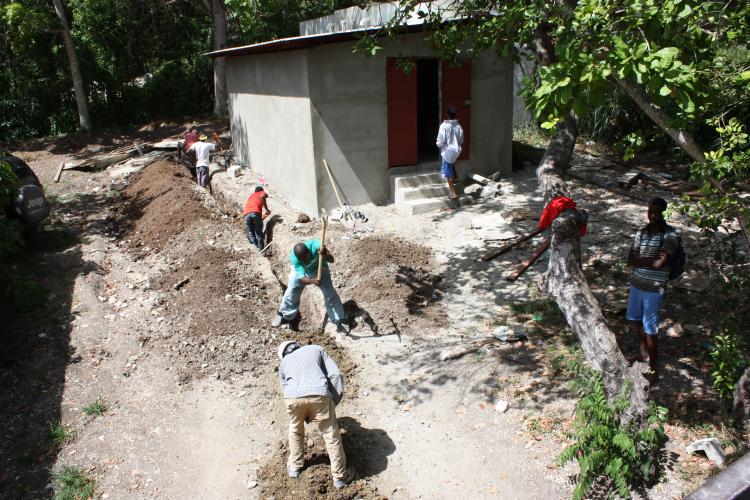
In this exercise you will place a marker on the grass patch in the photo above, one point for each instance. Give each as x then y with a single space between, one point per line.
544 312
98 407
563 361
59 433
72 483
531 134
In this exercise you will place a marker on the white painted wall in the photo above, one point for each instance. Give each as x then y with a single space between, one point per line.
271 122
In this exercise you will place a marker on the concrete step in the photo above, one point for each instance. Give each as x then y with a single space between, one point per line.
430 204
411 181
426 191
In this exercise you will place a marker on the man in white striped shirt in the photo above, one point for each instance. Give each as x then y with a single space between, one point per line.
313 386
652 248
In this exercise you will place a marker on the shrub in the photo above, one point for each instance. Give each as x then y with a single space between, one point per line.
729 362
627 455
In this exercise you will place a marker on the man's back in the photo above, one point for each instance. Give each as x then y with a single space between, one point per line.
307 371
202 152
449 140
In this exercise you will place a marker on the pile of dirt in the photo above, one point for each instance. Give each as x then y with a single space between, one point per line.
218 291
392 280
159 204
315 481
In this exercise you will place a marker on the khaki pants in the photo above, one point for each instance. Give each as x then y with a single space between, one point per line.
321 411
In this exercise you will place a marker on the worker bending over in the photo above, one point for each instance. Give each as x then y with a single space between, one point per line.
251 214
313 386
304 258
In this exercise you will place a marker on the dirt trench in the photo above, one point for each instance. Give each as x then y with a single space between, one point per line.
218 295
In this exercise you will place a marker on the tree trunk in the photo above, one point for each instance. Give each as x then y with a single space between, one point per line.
682 138
565 282
218 12
84 120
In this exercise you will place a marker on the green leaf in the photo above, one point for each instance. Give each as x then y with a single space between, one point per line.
686 10
665 91
745 75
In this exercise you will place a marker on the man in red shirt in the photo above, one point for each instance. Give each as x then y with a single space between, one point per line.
255 203
190 137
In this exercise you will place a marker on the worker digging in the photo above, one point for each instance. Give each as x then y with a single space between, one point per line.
308 268
312 386
251 214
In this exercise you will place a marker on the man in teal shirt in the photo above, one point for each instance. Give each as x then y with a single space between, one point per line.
304 258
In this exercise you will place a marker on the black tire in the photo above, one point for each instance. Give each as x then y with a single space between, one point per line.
30 206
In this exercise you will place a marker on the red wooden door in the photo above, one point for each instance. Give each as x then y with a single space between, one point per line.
402 115
457 92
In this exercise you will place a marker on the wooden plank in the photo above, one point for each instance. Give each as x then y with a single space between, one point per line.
528 262
510 245
59 172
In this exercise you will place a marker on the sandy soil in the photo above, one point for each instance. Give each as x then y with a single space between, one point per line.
158 305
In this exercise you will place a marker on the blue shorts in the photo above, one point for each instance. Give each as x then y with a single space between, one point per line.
644 307
448 170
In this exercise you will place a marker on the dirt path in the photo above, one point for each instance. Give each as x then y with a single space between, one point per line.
158 305
448 440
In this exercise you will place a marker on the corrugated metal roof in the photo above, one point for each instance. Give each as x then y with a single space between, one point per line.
301 42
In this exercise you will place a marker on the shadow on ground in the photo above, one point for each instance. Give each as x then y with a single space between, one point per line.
35 343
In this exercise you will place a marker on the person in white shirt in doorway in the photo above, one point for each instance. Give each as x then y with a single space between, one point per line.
449 140
203 150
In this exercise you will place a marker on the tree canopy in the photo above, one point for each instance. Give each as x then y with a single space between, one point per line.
139 59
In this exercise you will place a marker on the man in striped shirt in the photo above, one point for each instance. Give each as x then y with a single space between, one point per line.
313 386
652 248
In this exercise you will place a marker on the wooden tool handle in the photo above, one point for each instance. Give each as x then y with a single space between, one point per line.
322 244
511 245
528 262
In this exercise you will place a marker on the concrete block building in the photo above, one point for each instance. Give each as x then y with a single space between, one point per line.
296 101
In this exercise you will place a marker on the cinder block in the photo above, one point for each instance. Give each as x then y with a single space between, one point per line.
711 447
234 171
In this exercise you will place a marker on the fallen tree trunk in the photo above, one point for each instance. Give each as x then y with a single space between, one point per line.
565 282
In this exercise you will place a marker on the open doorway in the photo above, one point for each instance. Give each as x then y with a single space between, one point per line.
428 108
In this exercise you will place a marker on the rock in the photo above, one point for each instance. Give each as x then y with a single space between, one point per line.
741 408
691 329
303 218
501 406
710 446
675 331
473 190
251 484
488 192
234 171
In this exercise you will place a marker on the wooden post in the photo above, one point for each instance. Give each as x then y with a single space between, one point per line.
324 218
528 262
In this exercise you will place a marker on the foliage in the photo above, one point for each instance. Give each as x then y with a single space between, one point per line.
59 433
72 483
97 407
728 164
11 238
140 37
626 455
729 362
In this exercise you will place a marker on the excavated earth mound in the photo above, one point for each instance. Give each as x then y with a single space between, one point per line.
393 281
161 203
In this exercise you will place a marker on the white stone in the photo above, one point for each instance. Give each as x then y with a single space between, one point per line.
501 406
